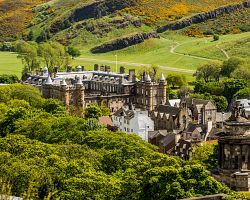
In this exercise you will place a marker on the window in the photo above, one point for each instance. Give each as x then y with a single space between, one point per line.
132 130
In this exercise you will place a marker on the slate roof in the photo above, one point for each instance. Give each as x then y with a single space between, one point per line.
174 111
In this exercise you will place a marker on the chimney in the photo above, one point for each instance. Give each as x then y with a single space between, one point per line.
41 71
96 67
102 68
131 74
122 70
69 69
79 68
108 69
55 69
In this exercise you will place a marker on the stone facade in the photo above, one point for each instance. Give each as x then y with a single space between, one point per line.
102 87
234 152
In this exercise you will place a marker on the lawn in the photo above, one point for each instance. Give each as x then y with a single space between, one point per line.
172 52
10 64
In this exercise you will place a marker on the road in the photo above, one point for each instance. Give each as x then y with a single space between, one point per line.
135 64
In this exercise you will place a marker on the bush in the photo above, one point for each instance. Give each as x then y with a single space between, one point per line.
216 37
8 79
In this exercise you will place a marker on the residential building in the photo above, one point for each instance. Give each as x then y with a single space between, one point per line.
133 121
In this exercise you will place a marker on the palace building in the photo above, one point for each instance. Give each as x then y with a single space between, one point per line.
101 87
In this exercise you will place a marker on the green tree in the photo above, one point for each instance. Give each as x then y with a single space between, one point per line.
54 106
74 52
216 37
206 154
232 86
8 79
176 80
53 54
243 93
208 72
229 66
28 53
93 111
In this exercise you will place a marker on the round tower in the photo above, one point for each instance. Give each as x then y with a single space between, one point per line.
234 151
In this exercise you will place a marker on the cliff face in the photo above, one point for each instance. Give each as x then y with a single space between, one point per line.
204 16
122 43
96 9
99 9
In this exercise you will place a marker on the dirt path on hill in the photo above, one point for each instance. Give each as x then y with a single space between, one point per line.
223 51
136 65
174 47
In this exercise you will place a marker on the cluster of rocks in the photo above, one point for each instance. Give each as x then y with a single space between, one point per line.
122 43
204 16
99 9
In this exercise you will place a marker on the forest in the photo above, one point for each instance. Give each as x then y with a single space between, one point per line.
46 153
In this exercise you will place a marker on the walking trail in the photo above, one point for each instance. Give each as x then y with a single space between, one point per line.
135 64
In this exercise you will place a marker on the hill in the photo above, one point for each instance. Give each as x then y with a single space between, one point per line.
106 19
15 17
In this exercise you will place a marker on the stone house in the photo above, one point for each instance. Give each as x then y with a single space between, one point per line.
165 140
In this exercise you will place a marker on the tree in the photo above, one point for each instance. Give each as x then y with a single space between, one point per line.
184 91
53 54
216 37
232 86
28 53
206 154
93 111
54 106
154 72
230 66
220 102
8 79
208 72
176 80
243 93
74 52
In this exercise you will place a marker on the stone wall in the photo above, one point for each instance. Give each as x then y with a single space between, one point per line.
210 197
204 16
122 43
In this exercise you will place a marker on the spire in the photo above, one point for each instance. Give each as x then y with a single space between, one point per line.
63 83
148 78
79 81
162 77
79 68
49 81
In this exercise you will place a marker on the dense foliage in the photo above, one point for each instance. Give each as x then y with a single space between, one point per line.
47 154
8 79
222 82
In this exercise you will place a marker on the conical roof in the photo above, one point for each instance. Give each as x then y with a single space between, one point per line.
162 78
148 78
79 81
49 81
63 83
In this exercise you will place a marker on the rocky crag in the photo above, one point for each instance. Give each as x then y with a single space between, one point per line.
202 17
122 43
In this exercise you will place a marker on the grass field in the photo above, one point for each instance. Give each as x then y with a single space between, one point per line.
172 52
9 64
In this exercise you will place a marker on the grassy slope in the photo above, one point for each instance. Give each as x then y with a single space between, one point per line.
9 64
157 51
15 16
